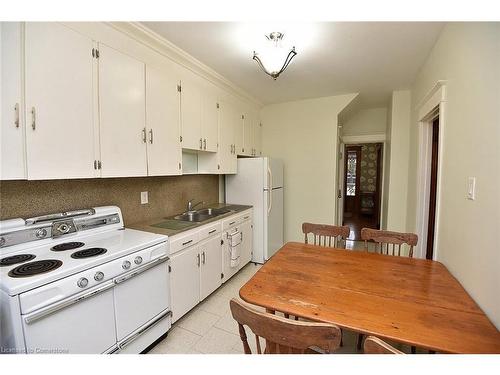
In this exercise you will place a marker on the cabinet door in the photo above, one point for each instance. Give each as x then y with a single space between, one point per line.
185 281
211 266
163 125
257 137
12 151
191 108
210 121
246 243
59 102
248 145
239 126
227 156
122 114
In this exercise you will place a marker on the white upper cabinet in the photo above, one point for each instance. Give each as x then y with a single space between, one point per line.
228 120
238 132
164 151
122 105
257 136
248 145
210 119
12 150
59 102
191 113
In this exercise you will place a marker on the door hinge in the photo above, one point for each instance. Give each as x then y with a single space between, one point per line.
180 138
217 105
221 275
95 53
179 88
99 164
242 117
180 166
169 269
95 164
218 166
222 242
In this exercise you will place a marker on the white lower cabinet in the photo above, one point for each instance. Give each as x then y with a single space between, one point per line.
211 266
184 281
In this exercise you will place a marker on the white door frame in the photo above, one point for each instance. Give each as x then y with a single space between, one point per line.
431 106
359 139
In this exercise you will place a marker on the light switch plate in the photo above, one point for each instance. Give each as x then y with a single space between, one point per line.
471 188
144 197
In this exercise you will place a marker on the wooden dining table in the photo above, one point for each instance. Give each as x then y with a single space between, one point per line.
412 301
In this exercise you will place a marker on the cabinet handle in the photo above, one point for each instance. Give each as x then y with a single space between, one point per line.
203 257
198 259
151 136
144 135
205 144
33 118
16 115
185 243
212 231
201 144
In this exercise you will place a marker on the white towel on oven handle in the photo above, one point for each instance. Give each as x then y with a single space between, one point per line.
234 240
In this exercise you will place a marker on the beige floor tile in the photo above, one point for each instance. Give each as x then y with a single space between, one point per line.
217 341
217 304
178 340
228 324
198 321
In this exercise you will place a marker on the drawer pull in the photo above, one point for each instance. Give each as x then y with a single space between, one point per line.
212 231
232 222
187 242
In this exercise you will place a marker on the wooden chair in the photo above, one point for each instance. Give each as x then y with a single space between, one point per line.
384 237
373 345
283 336
323 234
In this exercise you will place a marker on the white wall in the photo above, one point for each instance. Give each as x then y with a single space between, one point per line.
467 55
387 167
397 188
366 122
304 135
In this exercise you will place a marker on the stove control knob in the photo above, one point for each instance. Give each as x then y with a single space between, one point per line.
41 233
98 276
138 260
126 265
83 282
63 228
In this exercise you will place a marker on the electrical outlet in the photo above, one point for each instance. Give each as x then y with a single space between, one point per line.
144 197
471 188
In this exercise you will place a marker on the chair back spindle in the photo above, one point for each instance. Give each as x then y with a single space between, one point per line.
389 243
326 235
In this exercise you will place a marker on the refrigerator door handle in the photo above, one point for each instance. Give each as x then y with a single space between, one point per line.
270 191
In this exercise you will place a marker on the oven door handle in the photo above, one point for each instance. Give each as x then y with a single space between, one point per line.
137 271
51 309
156 320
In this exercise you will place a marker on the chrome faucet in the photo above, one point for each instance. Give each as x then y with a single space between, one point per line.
191 206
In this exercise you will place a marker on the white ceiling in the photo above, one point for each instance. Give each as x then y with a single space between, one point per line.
372 58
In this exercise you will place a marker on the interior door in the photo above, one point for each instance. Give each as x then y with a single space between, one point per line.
12 151
211 266
164 150
59 102
122 105
191 112
185 281
352 180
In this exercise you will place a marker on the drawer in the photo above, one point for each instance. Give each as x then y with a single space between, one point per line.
210 230
230 222
247 215
183 241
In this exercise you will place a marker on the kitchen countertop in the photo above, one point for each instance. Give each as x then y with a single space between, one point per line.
148 225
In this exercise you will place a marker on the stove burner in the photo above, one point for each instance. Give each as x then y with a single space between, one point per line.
9 261
35 268
67 246
87 253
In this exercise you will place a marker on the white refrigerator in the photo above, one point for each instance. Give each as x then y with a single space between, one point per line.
259 183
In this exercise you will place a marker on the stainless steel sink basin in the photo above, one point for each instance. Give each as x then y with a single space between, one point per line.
202 215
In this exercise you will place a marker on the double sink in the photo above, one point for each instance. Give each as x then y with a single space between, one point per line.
199 216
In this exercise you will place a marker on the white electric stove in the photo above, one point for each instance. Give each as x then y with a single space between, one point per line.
79 282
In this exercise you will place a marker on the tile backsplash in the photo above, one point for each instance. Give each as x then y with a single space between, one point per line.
167 195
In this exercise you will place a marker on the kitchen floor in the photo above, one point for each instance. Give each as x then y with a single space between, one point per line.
210 329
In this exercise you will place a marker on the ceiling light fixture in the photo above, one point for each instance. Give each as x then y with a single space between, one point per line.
271 63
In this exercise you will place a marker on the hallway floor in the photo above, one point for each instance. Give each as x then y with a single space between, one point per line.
356 222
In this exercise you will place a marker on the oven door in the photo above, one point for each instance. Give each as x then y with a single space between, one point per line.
142 295
83 323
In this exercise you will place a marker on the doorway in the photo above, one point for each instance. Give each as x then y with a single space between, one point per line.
362 187
431 224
